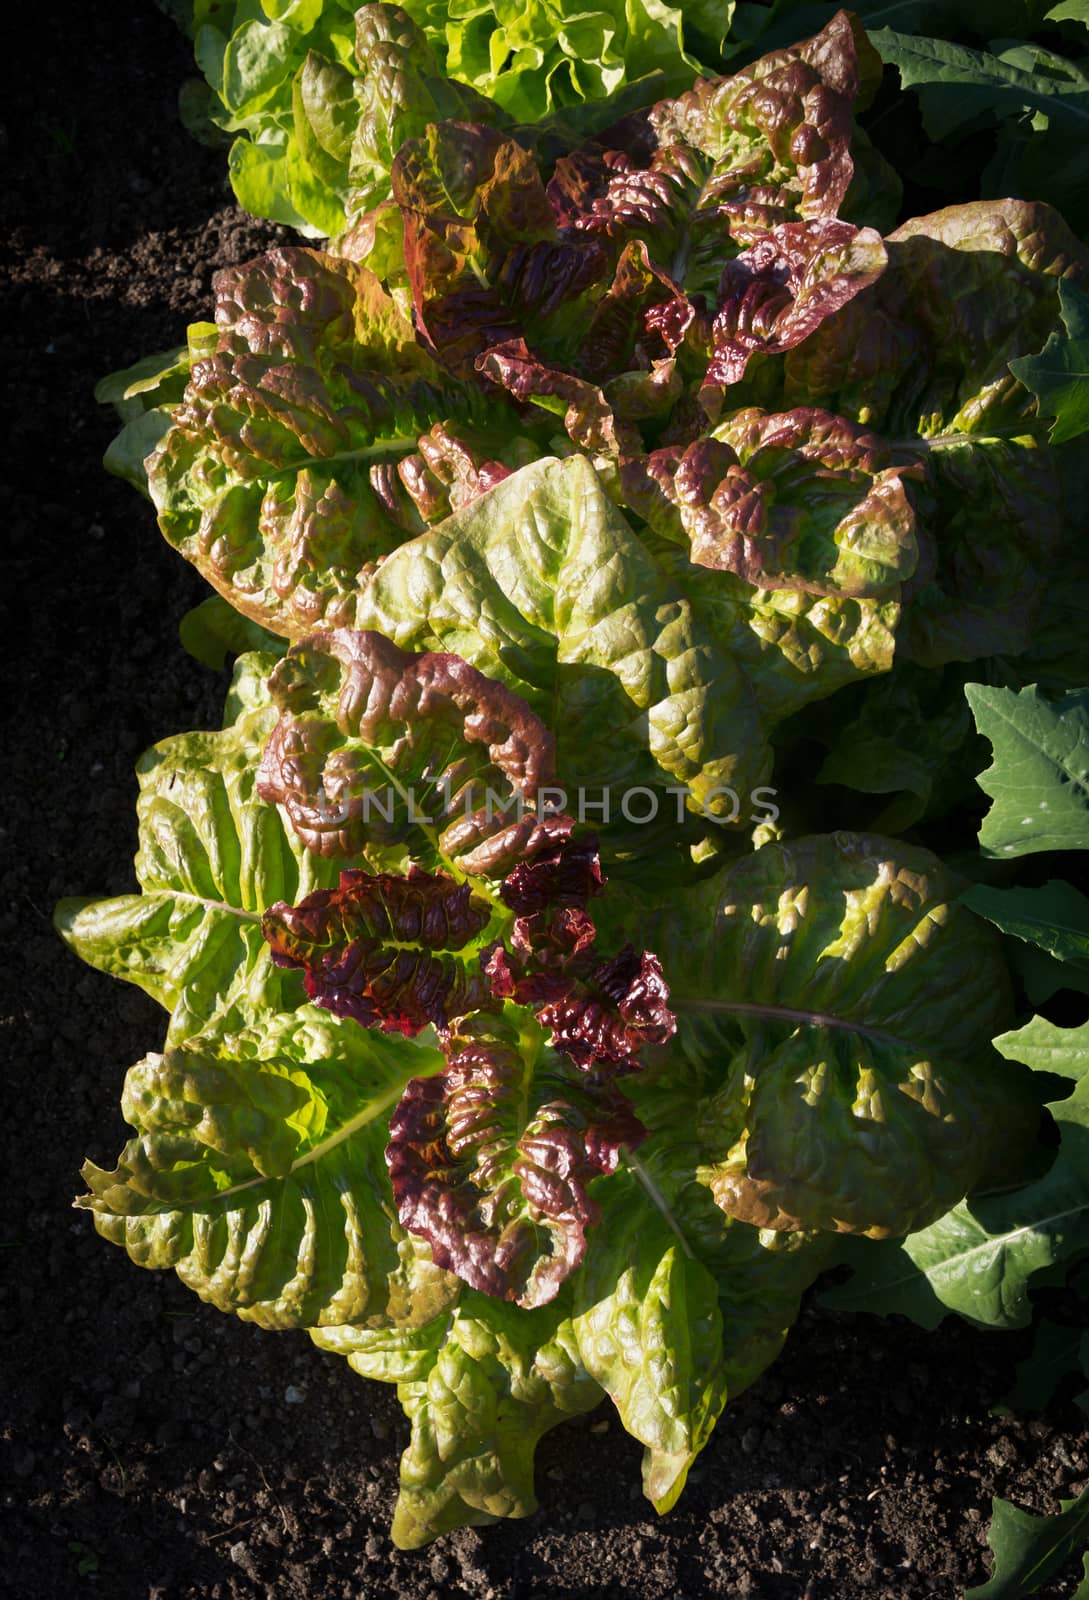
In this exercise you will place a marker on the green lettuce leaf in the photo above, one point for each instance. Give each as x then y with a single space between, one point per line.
678 1307
922 357
542 585
214 630
478 1403
212 857
351 121
545 55
257 1173
849 1005
320 99
142 396
981 1258
650 1330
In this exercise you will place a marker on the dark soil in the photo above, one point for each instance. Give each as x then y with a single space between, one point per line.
151 1446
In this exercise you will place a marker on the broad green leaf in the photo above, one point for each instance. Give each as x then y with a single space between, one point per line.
1059 375
923 357
1070 11
257 1173
258 174
1045 1047
128 389
1029 1550
128 451
212 858
972 81
142 396
542 584
1055 917
650 1330
389 1355
501 1379
1039 782
849 1005
255 63
679 1308
980 1258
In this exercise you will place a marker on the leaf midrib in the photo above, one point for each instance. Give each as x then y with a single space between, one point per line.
818 1019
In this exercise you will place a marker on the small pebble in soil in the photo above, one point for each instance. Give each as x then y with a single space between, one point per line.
294 1395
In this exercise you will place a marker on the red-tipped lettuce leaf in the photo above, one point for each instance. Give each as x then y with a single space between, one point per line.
607 1017
491 1158
485 260
923 357
392 952
386 752
804 501
712 170
777 292
315 435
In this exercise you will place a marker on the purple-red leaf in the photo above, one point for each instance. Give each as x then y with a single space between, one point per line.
381 749
701 176
607 1017
775 294
800 500
490 1161
392 952
485 261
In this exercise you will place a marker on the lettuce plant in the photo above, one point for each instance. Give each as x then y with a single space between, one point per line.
522 1047
320 93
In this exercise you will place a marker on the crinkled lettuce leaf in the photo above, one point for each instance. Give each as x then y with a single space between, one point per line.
320 94
491 1159
845 1005
257 1174
478 1403
404 757
312 438
922 358
706 174
396 951
212 858
542 585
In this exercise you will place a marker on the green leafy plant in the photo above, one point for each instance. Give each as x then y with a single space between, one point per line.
538 1027
320 93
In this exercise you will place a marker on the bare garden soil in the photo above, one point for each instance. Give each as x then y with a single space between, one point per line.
149 1446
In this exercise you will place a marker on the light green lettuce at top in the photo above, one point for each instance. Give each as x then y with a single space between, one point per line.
320 93
537 56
